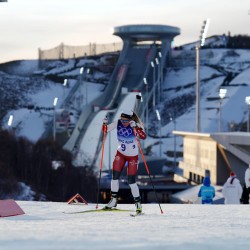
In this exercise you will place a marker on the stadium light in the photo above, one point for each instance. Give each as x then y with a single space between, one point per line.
10 121
201 43
204 32
65 82
55 101
222 93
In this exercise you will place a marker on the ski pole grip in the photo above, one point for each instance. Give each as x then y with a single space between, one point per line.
104 128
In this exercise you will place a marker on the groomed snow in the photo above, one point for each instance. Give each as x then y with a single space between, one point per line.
181 227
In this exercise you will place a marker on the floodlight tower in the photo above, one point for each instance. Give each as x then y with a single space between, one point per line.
86 87
65 82
200 43
153 67
161 71
54 118
146 85
222 95
247 100
81 82
158 78
172 119
159 119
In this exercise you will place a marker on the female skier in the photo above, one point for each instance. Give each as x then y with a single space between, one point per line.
128 127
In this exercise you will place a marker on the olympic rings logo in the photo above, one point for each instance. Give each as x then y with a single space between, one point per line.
125 132
133 162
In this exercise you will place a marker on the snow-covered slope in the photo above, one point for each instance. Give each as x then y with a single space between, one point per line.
220 68
181 227
23 84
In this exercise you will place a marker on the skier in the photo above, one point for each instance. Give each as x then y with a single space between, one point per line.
128 127
232 190
247 181
206 192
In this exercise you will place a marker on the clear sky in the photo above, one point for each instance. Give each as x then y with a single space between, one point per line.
26 25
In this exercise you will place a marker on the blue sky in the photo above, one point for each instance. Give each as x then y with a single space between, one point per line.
26 25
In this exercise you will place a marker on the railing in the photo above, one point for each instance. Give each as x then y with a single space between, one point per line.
63 51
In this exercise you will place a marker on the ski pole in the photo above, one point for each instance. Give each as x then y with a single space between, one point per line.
101 162
146 166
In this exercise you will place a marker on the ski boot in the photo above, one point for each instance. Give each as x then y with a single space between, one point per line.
113 201
138 205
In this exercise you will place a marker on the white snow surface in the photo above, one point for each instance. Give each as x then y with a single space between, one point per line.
45 225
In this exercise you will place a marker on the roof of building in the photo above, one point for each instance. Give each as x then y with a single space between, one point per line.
238 143
146 32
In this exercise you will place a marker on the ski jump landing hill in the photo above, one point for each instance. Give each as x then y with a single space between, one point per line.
142 44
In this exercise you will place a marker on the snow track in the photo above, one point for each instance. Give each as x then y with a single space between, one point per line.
45 226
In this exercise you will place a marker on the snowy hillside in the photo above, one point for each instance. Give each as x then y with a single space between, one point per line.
28 91
220 68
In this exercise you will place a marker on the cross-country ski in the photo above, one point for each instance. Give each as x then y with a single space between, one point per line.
99 211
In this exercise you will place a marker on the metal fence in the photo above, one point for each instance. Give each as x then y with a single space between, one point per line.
63 51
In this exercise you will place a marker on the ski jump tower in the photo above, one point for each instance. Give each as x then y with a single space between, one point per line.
142 44
131 34
158 37
144 57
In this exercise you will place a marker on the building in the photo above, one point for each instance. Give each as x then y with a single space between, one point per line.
214 154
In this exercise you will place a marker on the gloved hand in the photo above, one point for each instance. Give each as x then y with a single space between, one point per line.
105 120
133 124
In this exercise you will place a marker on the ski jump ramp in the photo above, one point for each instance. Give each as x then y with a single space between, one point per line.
87 150
141 45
